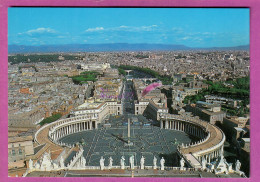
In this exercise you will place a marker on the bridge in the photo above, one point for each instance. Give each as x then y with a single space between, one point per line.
146 79
128 71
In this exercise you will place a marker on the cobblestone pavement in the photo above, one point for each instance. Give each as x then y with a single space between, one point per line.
148 141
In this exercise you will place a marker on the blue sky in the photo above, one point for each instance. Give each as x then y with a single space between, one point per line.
194 27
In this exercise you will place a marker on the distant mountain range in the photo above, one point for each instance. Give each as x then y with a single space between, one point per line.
111 47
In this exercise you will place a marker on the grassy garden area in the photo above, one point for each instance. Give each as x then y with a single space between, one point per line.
86 76
121 71
51 119
238 90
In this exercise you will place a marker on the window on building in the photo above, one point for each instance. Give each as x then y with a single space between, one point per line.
13 152
20 151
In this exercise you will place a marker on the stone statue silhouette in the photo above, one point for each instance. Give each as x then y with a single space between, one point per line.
102 163
162 161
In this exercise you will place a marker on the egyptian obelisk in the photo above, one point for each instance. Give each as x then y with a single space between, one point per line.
128 130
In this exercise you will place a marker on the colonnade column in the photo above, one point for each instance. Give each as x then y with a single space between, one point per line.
90 123
58 133
96 126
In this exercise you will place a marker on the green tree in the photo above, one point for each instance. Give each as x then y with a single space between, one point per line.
51 119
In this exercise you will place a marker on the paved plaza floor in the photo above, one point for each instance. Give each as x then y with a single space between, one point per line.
148 141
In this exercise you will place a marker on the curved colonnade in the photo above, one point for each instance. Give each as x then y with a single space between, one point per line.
210 143
72 125
51 133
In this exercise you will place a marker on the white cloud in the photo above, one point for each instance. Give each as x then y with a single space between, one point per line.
139 29
185 38
39 31
148 28
123 28
189 38
95 29
197 39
